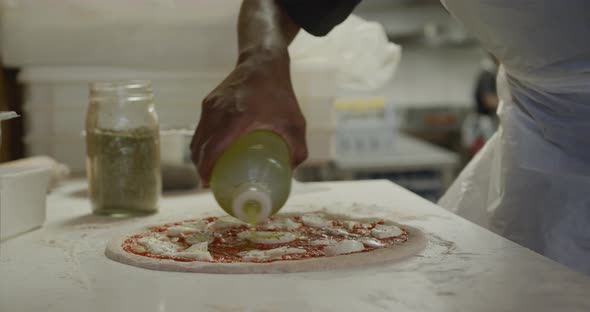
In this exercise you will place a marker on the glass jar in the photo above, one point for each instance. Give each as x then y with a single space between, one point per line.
123 149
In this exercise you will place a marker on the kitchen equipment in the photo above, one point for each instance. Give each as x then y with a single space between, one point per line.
366 126
23 186
122 149
22 198
178 171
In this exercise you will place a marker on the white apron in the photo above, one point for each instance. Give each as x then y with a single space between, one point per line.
531 181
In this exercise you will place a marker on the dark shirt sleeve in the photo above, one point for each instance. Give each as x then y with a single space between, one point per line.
318 17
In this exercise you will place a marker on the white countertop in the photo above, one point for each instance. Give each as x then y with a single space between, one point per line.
61 267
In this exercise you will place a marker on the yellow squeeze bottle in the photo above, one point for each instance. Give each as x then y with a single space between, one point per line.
252 178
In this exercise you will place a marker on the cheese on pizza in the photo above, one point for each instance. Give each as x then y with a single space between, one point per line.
280 238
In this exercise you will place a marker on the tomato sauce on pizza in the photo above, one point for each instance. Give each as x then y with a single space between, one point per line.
286 237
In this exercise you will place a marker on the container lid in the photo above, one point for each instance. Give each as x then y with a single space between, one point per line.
7 115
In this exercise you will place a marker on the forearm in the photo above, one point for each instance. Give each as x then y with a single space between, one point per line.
263 27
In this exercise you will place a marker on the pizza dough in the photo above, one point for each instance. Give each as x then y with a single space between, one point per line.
201 259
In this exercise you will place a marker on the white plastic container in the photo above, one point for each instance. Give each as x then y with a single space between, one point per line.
315 86
321 146
22 194
22 199
366 125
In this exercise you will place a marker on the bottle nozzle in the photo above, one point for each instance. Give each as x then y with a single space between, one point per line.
251 210
251 204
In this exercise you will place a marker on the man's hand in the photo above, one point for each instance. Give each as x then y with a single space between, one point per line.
257 94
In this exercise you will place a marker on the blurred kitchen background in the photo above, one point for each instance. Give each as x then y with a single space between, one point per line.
387 95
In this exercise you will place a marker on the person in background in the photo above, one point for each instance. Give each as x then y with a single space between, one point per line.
479 126
538 163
